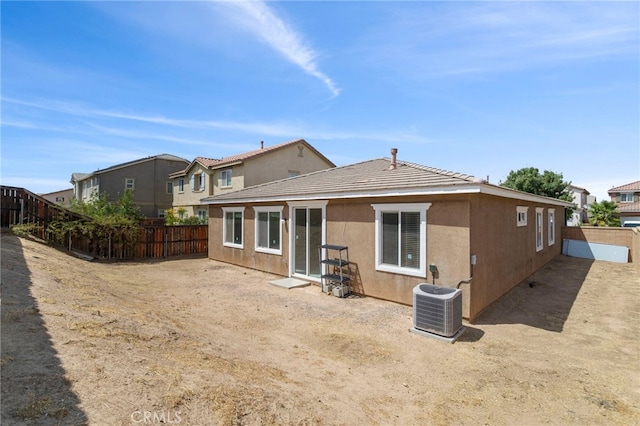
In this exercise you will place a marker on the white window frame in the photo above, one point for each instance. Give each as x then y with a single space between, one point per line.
626 197
270 209
402 208
197 182
539 228
226 181
551 214
126 183
181 185
521 215
226 210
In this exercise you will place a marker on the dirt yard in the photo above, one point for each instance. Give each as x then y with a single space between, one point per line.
197 342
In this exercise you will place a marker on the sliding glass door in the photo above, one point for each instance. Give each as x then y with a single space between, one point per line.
307 236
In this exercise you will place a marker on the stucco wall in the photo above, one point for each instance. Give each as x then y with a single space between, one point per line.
605 235
238 180
151 177
457 227
188 198
247 257
506 253
276 165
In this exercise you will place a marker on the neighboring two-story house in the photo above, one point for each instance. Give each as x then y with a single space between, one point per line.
582 200
147 177
627 197
205 177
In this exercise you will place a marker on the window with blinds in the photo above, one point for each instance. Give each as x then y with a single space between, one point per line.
401 238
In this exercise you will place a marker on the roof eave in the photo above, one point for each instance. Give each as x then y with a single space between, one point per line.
444 190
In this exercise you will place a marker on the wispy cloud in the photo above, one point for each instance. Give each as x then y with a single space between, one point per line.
94 118
478 38
261 20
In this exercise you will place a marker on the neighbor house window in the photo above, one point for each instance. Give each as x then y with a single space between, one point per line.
552 226
401 238
539 236
129 183
232 226
197 182
293 173
181 185
169 187
225 180
268 229
626 197
521 215
202 215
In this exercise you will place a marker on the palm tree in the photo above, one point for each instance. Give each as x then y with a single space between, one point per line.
604 213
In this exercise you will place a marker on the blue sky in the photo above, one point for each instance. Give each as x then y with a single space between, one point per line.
481 88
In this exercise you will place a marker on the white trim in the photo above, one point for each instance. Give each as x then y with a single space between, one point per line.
444 190
397 208
318 204
551 224
226 210
523 210
539 228
277 209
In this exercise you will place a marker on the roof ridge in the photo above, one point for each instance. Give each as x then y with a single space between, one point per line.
458 175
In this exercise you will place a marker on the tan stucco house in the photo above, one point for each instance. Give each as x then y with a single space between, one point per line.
207 176
403 224
146 177
627 197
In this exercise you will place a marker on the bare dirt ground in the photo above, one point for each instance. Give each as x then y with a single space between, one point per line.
198 342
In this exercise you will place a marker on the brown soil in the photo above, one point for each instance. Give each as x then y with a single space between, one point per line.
198 342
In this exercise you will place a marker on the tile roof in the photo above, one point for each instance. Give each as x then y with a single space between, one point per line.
629 207
261 151
213 163
368 177
633 186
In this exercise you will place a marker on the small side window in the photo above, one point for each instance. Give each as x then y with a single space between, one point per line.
521 215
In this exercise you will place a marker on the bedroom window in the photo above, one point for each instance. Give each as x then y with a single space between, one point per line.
197 182
232 227
401 238
225 181
268 229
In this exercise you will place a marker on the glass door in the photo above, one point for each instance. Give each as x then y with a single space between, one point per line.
308 237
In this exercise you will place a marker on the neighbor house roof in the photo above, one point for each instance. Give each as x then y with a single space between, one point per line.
211 163
629 187
371 178
629 207
76 177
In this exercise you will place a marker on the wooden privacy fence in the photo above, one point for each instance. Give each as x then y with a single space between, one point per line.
149 242
155 241
20 207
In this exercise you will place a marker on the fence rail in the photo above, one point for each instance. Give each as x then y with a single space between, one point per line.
20 206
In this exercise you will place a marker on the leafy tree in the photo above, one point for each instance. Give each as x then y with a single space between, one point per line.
115 222
176 217
547 184
604 213
101 210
